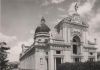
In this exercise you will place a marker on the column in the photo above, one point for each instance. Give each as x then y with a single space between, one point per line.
51 60
65 34
69 35
54 63
61 60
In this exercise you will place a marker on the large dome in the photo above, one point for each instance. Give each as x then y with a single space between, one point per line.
43 27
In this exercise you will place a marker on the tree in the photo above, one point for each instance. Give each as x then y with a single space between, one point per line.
3 55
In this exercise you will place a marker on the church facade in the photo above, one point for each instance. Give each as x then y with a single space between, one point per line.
68 43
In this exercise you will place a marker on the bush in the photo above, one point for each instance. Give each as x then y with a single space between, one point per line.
80 66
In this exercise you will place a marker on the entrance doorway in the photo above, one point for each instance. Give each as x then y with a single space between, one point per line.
58 62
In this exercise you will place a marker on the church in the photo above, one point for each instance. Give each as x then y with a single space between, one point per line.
68 43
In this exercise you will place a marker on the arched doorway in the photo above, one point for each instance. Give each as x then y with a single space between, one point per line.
76 45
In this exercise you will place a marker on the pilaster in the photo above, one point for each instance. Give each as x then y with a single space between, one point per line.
51 60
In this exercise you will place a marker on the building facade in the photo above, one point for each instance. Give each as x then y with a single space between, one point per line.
68 43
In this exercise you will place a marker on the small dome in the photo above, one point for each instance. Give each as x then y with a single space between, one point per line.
43 27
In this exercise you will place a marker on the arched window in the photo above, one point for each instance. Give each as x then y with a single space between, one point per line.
76 39
76 43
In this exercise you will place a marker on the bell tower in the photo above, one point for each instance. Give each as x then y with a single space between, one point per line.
73 25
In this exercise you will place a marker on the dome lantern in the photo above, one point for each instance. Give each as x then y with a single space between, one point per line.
42 20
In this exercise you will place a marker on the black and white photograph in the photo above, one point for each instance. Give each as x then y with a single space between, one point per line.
49 34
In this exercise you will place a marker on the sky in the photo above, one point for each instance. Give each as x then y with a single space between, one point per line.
19 19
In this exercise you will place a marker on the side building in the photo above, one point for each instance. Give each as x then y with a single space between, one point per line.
68 43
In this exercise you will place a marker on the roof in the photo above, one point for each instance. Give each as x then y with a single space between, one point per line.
58 37
14 62
74 18
90 46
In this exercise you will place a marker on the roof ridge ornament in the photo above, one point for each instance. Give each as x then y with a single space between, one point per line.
76 5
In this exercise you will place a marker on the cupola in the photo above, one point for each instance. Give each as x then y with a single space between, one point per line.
42 31
43 27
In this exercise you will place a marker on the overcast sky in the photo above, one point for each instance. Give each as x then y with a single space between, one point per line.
19 18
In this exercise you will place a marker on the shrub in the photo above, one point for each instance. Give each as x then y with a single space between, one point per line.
80 66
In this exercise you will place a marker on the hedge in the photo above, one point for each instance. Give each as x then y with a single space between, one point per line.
80 66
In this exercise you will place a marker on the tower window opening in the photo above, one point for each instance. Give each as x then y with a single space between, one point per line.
46 53
76 43
41 61
39 40
74 49
77 59
46 40
74 40
91 59
91 53
58 52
